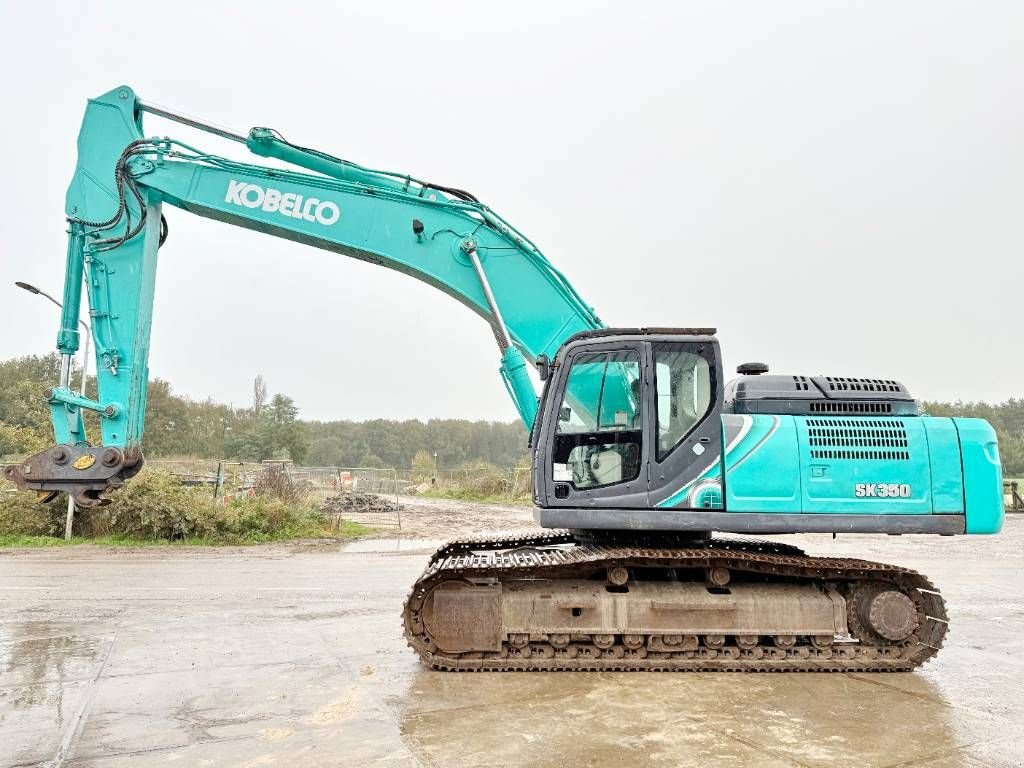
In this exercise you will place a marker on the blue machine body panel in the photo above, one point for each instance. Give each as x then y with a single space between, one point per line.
946 472
758 449
861 465
864 465
983 475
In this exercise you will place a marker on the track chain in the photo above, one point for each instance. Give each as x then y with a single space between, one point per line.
558 554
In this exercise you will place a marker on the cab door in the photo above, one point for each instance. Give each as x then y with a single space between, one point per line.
597 452
686 396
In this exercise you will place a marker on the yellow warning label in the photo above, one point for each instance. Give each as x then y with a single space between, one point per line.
84 461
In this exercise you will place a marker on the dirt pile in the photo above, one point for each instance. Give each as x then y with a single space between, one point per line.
348 503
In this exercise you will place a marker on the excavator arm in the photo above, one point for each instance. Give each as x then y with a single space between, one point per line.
437 234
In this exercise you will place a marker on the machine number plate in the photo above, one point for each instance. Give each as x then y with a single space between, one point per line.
882 490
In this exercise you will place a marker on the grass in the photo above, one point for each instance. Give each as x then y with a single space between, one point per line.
21 540
347 531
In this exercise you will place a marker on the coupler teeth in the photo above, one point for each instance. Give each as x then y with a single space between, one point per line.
83 471
88 498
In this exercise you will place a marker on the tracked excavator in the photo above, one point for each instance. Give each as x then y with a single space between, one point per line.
642 454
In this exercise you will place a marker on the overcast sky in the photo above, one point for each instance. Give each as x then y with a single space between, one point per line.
836 187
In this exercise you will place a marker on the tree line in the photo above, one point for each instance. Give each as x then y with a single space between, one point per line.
270 427
386 443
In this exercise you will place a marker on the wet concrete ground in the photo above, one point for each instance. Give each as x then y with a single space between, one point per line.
292 655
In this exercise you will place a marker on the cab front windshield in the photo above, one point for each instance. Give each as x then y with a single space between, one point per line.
602 393
599 432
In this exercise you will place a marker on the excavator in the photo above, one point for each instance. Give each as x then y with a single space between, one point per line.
642 454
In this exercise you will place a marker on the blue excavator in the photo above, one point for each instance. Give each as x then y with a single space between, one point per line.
641 451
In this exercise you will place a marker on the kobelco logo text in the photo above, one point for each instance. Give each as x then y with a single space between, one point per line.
285 203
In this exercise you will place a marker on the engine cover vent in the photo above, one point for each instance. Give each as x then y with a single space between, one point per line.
845 384
841 407
863 439
815 395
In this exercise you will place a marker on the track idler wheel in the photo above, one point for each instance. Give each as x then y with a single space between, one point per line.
884 613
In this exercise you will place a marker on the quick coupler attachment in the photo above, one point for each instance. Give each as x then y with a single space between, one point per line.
83 471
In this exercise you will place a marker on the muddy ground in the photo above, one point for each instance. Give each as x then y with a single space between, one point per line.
425 518
292 654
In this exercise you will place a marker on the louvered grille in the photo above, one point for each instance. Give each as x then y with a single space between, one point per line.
833 407
849 384
864 439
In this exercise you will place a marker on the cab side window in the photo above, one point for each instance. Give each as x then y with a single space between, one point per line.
599 431
684 386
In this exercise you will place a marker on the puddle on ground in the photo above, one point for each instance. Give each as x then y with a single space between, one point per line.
36 658
612 719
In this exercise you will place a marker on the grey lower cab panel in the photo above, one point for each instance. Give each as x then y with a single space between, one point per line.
744 522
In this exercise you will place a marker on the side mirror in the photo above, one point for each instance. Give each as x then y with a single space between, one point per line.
543 367
564 413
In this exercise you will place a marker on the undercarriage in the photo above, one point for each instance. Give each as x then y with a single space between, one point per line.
567 601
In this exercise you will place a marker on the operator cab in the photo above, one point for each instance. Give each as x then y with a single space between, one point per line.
627 417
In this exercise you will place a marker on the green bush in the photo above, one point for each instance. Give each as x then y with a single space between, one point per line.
21 514
155 506
260 518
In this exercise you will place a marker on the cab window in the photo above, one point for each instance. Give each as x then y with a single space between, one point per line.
599 431
683 385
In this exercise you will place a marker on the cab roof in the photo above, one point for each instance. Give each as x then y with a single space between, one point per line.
603 332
